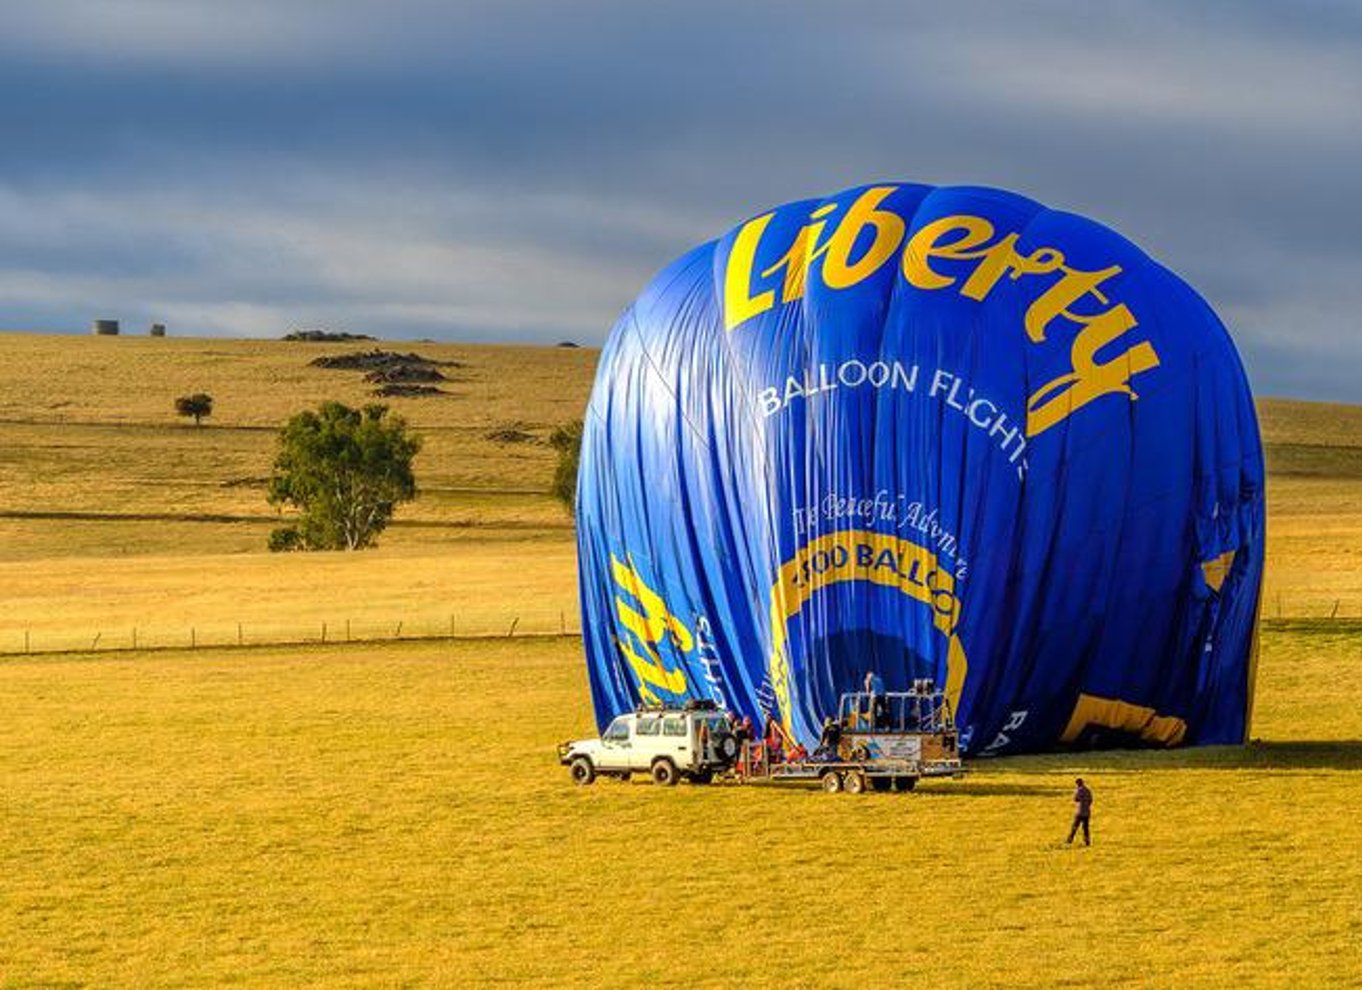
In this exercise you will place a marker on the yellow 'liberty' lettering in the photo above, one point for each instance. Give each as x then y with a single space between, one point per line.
796 261
954 239
741 303
925 245
995 259
648 628
1089 379
838 271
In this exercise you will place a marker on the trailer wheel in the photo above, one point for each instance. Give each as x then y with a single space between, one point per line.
904 783
854 782
582 771
880 784
664 773
832 781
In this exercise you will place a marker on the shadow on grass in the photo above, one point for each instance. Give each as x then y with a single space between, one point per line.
1259 755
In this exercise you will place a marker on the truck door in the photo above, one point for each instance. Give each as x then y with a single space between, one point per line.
616 746
647 742
676 737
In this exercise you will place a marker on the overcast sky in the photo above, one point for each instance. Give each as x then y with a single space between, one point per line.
515 171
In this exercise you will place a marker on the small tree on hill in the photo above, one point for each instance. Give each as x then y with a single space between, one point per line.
198 405
567 440
345 470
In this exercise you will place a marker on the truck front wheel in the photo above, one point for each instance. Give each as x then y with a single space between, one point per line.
582 771
664 773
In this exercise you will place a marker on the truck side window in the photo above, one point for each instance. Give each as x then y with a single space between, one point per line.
648 725
618 731
673 726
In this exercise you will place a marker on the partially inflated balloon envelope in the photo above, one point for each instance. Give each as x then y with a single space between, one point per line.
925 432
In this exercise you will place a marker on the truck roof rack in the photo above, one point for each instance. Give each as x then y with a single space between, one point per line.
701 705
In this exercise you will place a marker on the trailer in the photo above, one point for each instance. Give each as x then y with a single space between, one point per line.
883 742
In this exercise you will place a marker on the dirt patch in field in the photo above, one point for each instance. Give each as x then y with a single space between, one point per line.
394 390
511 433
397 375
325 336
379 360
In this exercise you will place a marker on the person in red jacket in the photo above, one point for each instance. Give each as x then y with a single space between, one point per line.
1082 812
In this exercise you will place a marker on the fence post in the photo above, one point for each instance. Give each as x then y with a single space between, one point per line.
514 622
323 632
25 640
398 633
134 637
193 638
347 630
240 637
451 625
562 624
1334 613
95 644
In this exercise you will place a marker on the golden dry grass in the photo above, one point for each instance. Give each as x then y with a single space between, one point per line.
60 379
97 475
478 586
393 816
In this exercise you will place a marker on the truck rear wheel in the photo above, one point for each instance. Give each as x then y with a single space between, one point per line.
581 770
854 782
904 783
880 784
664 773
832 781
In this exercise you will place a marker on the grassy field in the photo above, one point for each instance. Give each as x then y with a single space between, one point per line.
332 816
327 814
106 492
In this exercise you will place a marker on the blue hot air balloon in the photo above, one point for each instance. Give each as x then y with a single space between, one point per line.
926 432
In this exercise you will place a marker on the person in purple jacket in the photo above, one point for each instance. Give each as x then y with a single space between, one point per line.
1082 812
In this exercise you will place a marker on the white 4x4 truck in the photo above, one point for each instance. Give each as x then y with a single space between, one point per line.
694 742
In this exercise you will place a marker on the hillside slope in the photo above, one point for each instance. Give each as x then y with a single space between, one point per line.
96 471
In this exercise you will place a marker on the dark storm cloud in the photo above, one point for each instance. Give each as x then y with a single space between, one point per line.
517 170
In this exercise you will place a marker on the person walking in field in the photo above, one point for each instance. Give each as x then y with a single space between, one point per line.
1082 812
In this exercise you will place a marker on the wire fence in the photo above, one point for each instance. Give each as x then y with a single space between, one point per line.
245 634
18 641
1287 607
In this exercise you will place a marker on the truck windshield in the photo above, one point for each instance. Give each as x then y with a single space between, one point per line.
619 729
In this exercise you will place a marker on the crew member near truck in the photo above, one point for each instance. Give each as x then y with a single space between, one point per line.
874 686
830 739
